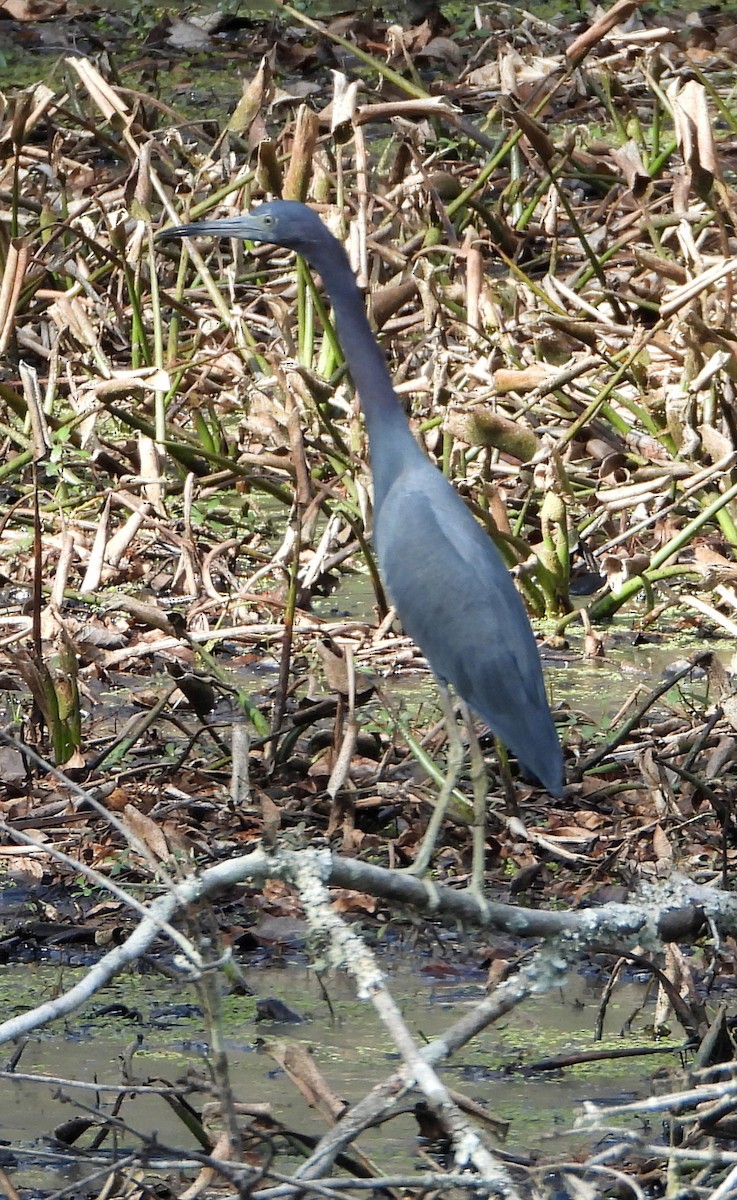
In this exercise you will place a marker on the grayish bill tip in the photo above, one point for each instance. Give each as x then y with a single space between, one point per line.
176 231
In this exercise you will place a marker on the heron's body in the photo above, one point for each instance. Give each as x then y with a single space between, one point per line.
445 576
471 617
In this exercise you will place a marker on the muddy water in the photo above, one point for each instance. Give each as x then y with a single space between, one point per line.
595 688
351 1049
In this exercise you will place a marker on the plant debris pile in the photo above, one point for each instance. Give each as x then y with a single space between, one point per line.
542 216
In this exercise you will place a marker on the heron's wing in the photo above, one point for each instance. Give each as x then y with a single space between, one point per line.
456 599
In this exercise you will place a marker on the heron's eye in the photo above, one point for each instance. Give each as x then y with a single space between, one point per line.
268 221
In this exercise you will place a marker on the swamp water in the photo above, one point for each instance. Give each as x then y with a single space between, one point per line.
349 1046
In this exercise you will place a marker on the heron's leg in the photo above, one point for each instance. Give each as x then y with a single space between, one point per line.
510 795
480 782
452 771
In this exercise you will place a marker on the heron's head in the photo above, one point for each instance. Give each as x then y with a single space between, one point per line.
280 223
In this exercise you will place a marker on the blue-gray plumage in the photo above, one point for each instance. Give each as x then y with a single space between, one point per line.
445 576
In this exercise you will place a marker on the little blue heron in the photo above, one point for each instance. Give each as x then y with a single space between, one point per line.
443 572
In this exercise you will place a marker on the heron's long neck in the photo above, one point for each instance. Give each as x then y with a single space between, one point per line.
389 433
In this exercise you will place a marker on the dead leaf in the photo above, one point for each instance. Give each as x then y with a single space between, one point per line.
480 425
304 1073
444 50
662 847
346 901
694 132
147 831
183 35
75 763
25 868
32 10
12 767
248 118
629 161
